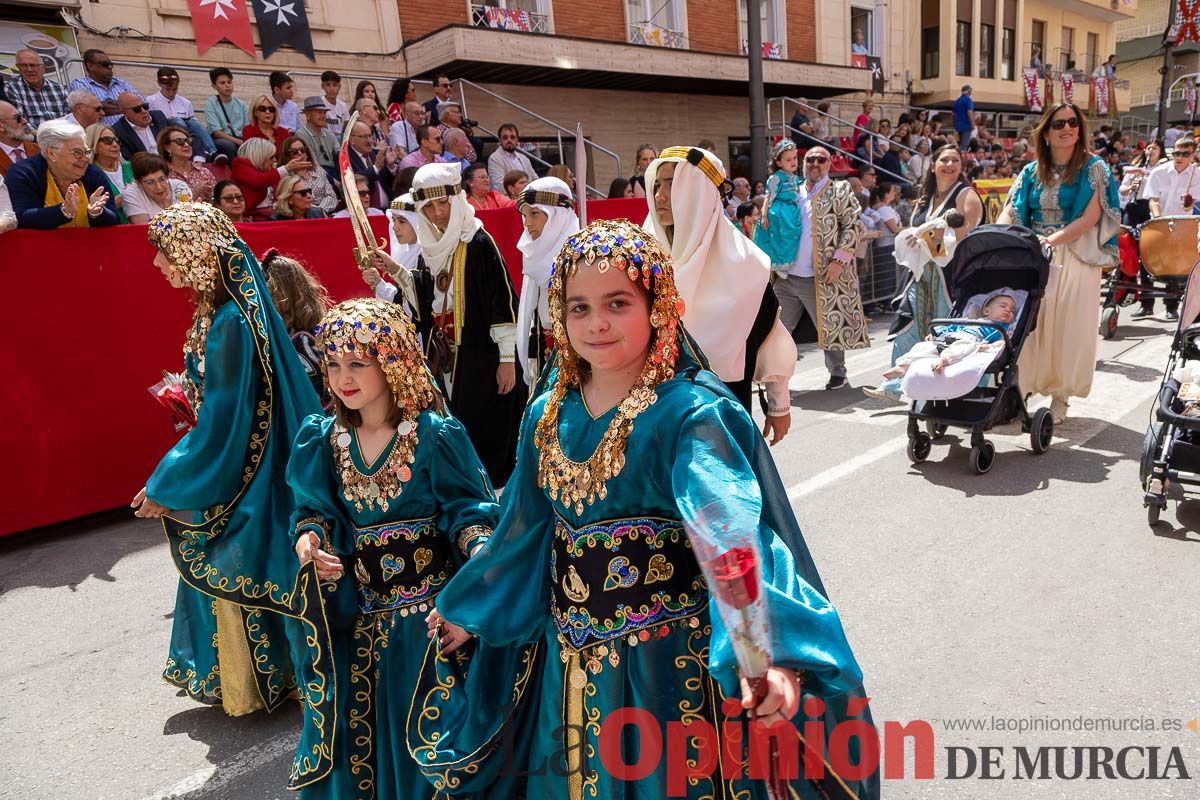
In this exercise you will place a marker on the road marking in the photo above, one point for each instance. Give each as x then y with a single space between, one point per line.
215 776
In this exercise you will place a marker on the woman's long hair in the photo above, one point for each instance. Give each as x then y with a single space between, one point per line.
361 88
297 294
398 91
1041 146
929 184
1142 159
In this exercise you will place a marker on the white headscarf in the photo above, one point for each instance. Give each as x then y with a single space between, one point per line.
720 273
443 180
553 197
406 255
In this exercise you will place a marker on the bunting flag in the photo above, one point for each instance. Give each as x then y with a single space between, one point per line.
1068 87
285 23
1186 28
1189 98
1100 92
214 20
1033 90
878 82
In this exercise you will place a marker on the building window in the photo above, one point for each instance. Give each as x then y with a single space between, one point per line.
1066 53
657 22
774 27
1093 52
1038 57
862 32
1008 55
931 55
987 51
962 48
530 16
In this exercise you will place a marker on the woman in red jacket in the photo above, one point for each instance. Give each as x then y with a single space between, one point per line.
255 172
264 123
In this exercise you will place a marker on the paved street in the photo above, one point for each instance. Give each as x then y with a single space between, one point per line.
1035 593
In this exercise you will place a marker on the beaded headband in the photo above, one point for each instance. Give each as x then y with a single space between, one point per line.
435 192
189 234
541 197
400 204
696 157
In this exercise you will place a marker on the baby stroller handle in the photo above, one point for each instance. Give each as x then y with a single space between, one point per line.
959 321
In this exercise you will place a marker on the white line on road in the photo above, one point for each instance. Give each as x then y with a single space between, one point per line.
213 777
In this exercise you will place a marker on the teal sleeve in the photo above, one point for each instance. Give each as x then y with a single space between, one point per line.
1018 194
460 484
713 470
311 477
213 120
502 594
206 466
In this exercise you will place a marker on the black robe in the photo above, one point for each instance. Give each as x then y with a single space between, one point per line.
768 312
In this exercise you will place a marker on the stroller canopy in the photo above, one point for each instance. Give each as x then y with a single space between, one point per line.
996 256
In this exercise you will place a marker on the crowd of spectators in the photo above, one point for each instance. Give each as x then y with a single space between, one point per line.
100 152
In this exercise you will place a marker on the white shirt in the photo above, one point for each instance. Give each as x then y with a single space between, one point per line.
803 265
401 134
500 162
11 152
882 215
135 200
289 115
117 177
1170 136
1168 187
336 115
147 137
178 107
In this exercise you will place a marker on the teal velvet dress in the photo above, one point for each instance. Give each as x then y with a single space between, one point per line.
367 630
579 615
780 238
230 545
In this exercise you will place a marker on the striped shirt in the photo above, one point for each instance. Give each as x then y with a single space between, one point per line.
38 105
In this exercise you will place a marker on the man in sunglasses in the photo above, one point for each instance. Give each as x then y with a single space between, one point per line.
179 111
101 82
822 281
16 137
138 127
1171 189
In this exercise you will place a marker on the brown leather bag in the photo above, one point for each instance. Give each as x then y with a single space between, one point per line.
439 352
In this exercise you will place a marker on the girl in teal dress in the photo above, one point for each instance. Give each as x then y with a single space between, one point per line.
778 233
249 394
588 598
391 498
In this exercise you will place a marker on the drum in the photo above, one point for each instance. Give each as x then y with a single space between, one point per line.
1168 246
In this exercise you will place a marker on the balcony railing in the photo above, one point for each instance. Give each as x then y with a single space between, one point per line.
656 36
509 19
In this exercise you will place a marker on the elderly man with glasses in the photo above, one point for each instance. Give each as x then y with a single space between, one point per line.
822 281
179 110
138 127
85 108
16 137
60 187
101 82
38 98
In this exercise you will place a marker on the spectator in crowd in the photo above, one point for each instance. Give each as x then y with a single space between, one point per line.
106 154
376 165
1035 61
456 147
707 144
858 47
101 82
299 162
889 162
619 188
1169 190
429 148
1136 206
508 157
563 173
152 190
443 92
964 117
1172 134
821 128
336 113
641 159
255 171
366 89
1103 137
8 220
403 131
16 137
139 127
866 184
178 110
228 197
39 99
402 93
282 90
801 128
314 130
368 112
264 123
479 192
60 187
748 216
884 129
85 108
516 180
887 219
293 200
918 162
741 194
363 190
904 206
758 189
404 181
175 146
450 114
225 115
863 120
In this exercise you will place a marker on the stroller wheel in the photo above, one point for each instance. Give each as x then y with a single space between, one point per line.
1150 448
1041 430
1152 513
982 457
1108 322
936 430
919 447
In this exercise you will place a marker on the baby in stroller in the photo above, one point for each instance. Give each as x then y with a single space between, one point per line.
956 341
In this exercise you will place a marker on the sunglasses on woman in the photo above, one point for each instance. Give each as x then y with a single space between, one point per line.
297 151
107 140
232 198
303 192
178 142
265 109
1059 124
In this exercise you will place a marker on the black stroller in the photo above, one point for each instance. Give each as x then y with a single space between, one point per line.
1171 450
990 258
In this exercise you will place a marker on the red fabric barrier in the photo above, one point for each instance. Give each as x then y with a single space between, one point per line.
89 324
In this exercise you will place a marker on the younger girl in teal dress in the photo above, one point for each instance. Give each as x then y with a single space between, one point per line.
588 599
391 498
778 233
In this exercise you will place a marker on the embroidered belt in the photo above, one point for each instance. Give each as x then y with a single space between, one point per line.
627 578
400 565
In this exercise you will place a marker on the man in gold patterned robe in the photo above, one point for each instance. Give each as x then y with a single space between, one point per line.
822 281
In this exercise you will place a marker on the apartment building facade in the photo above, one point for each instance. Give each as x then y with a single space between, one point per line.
1140 57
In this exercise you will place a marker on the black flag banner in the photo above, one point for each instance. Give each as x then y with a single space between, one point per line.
283 22
873 63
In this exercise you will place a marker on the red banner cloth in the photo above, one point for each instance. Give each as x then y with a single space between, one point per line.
214 20
90 323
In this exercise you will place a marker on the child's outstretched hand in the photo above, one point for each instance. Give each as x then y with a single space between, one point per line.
939 365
